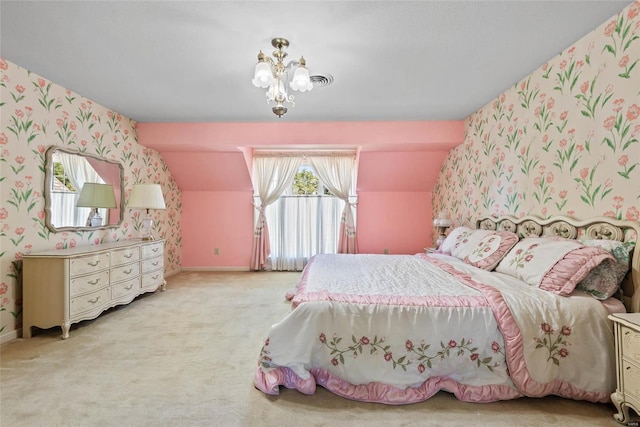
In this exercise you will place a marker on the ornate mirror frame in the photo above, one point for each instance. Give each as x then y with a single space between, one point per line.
48 182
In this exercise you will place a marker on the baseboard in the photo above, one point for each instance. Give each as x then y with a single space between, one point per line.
10 336
215 269
171 273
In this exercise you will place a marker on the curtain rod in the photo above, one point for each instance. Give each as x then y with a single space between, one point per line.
296 153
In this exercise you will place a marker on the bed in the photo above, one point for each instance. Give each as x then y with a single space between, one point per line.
513 307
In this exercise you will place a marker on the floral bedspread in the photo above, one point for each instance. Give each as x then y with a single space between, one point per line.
396 329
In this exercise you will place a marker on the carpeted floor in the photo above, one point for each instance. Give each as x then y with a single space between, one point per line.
187 356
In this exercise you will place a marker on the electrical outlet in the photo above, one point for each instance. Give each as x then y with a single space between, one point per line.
216 251
385 251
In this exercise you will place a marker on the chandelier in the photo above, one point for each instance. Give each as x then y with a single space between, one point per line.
273 75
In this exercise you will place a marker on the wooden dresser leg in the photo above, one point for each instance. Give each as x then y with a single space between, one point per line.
65 329
623 412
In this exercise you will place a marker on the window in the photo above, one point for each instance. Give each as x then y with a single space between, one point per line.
70 172
304 221
61 182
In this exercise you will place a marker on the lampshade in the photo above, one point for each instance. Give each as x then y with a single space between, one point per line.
443 220
94 195
263 76
301 80
146 196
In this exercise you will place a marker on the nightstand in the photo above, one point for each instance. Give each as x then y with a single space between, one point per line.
627 394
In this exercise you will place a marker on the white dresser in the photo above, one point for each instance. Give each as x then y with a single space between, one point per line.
61 287
627 394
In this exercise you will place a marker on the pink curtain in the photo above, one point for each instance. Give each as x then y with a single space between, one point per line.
271 175
260 250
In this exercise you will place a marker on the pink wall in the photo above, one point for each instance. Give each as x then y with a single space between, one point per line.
370 136
399 221
217 219
399 164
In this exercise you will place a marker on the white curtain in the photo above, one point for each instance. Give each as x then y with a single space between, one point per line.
271 176
79 171
337 174
301 227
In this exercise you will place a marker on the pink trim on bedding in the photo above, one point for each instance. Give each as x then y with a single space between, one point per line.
269 382
424 301
514 345
421 301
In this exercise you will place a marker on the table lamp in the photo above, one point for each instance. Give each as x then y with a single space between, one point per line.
95 196
146 196
442 222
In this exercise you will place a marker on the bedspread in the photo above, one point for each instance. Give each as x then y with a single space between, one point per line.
397 329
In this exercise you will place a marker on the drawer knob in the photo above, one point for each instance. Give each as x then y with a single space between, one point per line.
94 282
93 264
155 263
128 271
155 249
93 301
128 255
129 287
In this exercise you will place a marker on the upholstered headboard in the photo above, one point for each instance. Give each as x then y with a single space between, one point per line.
594 228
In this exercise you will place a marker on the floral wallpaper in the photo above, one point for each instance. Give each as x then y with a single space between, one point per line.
565 140
36 114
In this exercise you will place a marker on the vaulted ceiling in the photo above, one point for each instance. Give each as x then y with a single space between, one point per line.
187 61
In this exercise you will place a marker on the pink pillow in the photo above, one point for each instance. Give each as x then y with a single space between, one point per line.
491 249
553 264
570 270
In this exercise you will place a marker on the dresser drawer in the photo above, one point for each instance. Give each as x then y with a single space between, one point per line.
125 272
131 286
152 250
152 280
152 264
88 264
630 343
92 301
90 283
124 256
631 378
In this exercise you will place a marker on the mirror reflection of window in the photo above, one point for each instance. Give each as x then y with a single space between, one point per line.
70 172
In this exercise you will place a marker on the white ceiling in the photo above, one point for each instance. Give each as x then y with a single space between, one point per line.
187 61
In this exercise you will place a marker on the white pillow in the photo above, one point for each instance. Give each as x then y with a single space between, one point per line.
454 238
551 263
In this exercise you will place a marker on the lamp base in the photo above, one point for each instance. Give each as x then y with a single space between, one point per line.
147 228
94 219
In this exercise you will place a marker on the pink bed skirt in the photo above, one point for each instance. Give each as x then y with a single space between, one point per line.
269 382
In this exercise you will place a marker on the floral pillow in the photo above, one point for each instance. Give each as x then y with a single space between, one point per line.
604 280
491 249
468 242
550 263
455 238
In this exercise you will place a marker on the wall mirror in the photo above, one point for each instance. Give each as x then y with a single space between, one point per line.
67 206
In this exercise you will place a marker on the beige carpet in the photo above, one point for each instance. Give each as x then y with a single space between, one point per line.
186 357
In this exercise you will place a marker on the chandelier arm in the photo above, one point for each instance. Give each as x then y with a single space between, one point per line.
291 64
